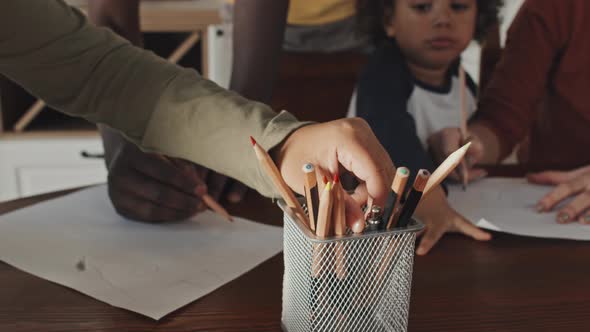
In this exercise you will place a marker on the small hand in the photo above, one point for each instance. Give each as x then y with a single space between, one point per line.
456 223
439 218
447 141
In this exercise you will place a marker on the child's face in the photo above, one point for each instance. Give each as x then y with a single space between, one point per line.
433 33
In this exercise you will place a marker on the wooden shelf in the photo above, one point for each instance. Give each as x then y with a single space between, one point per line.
172 15
22 114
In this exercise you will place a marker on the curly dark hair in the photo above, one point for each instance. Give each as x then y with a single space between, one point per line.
371 16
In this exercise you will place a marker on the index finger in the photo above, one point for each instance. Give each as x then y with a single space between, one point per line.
558 194
170 173
371 165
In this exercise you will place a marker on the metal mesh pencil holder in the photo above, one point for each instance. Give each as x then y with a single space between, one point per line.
348 283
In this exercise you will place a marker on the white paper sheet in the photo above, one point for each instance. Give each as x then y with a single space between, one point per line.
80 242
508 205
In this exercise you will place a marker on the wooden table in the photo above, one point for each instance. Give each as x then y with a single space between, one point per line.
511 283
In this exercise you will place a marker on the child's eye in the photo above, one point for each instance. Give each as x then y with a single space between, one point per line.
458 7
422 7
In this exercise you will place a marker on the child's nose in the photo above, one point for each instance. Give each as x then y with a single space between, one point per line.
442 17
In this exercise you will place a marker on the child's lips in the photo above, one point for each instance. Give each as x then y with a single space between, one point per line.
441 42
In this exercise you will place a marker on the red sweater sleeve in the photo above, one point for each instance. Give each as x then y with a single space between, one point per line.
508 105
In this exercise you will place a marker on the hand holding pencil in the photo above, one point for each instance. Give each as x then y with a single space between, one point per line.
202 193
445 142
148 187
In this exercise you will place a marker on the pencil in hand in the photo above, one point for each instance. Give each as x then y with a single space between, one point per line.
209 201
445 168
213 205
271 170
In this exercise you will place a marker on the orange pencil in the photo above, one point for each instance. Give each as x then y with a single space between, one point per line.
397 188
322 229
207 199
272 171
339 220
213 205
325 212
311 194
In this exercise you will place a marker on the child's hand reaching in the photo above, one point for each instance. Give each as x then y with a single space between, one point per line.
439 218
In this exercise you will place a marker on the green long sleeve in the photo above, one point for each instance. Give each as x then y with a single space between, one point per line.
50 49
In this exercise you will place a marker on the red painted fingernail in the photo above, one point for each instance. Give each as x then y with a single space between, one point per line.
336 178
325 179
252 140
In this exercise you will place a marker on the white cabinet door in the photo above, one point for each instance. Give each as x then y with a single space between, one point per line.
36 165
219 53
34 180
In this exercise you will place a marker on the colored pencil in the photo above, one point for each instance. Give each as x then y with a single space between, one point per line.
413 197
311 194
271 170
444 169
397 191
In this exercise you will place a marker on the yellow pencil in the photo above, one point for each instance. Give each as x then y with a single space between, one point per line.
339 217
206 198
325 212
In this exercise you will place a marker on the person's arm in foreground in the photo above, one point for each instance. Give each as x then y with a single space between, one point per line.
133 173
507 108
144 186
170 110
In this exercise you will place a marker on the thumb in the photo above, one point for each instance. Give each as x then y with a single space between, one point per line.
353 210
372 165
429 239
467 228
